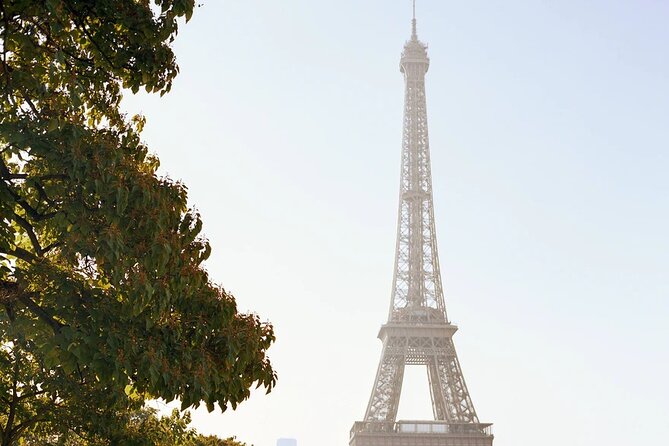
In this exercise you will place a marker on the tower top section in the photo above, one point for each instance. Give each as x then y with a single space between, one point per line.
415 51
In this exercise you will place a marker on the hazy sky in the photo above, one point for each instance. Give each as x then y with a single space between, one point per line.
549 128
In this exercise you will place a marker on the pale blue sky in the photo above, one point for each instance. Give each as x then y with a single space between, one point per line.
550 150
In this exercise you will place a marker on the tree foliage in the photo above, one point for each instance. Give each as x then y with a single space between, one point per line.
103 295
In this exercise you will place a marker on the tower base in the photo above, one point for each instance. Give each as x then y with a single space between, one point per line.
420 433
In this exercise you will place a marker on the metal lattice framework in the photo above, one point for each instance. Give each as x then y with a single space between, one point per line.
418 331
417 290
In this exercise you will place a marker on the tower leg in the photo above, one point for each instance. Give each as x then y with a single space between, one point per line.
454 389
436 393
385 397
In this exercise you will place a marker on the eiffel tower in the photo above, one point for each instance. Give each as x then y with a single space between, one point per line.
418 331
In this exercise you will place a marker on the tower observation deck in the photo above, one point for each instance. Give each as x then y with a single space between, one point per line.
418 331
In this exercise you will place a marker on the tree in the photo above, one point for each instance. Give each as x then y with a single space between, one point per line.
102 288
144 428
141 427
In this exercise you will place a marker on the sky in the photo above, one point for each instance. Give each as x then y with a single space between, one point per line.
550 159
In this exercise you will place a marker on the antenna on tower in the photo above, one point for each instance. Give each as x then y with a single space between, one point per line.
413 22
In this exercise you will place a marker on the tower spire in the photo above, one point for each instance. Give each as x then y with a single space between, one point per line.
414 35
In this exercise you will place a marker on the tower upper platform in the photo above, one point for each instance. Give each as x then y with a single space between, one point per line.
415 51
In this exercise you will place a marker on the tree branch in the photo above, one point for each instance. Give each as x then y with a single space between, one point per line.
11 291
40 312
53 245
13 176
31 211
12 404
5 173
42 193
29 422
31 233
81 24
22 254
23 396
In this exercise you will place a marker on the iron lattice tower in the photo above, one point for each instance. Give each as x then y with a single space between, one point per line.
418 331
